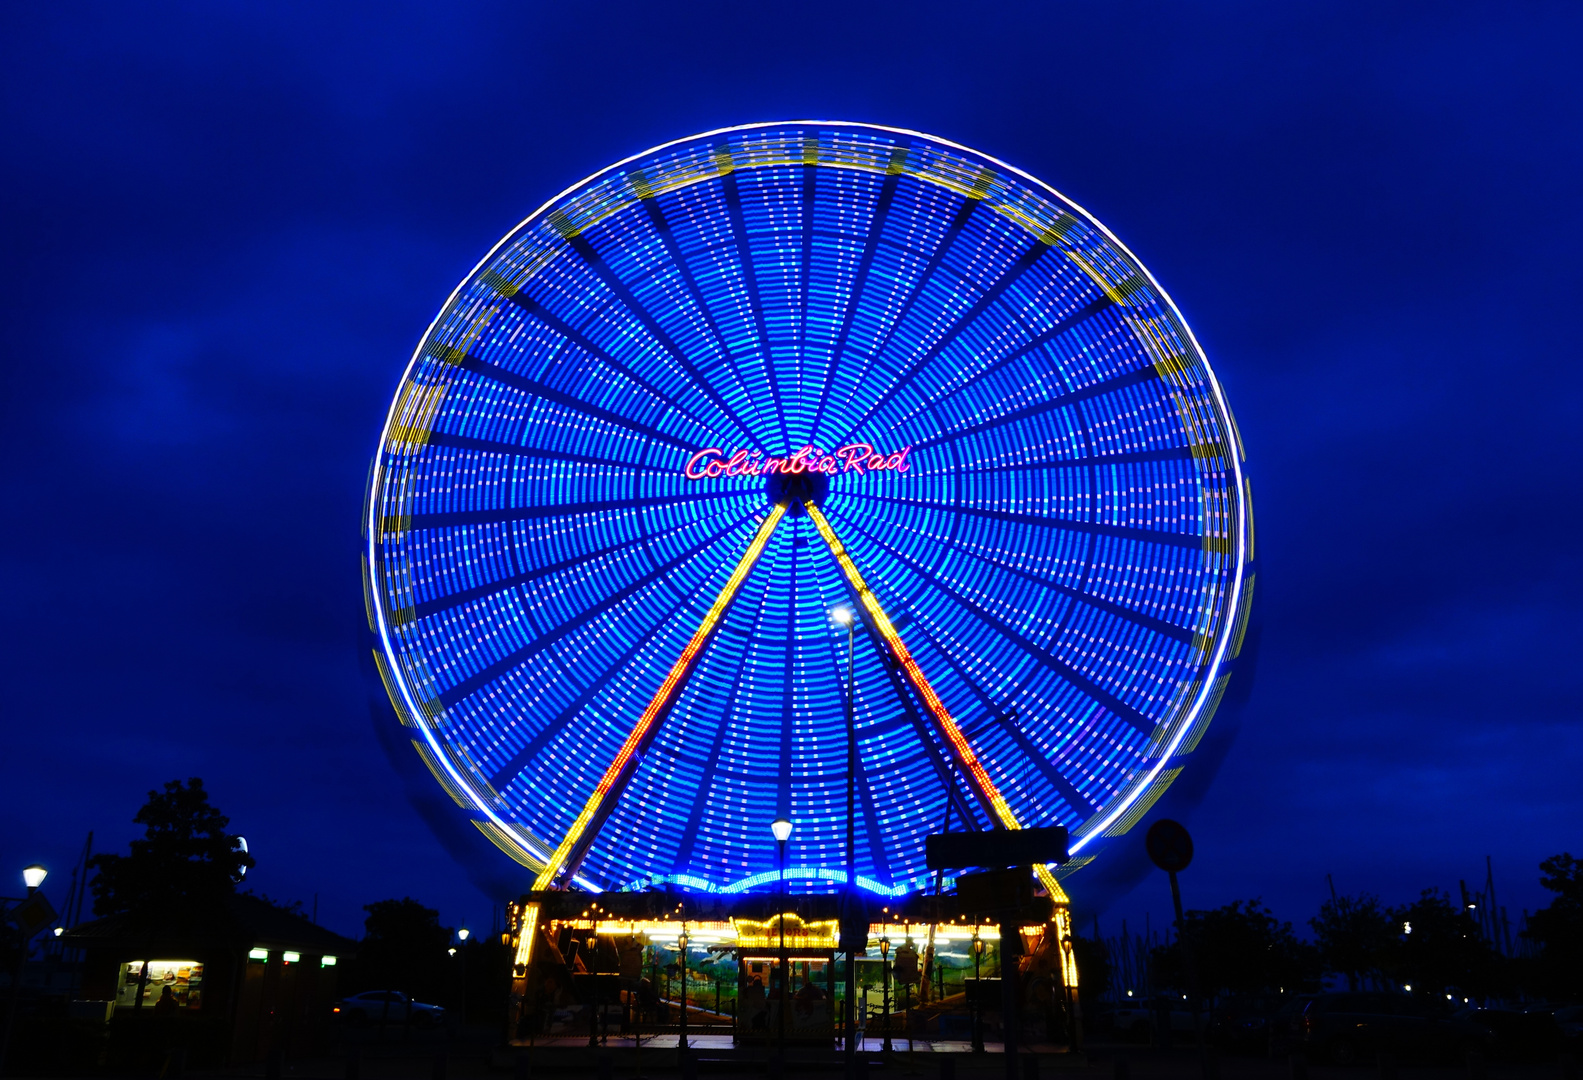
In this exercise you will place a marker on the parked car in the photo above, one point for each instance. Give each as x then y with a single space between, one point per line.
1281 1031
1346 1028
387 1006
1128 1021
1510 1035
1242 1025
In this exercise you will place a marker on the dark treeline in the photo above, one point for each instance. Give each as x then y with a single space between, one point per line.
405 948
187 861
1436 946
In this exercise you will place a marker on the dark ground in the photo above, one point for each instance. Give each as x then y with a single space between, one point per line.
474 1053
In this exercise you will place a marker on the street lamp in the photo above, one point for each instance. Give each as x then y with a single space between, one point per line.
844 616
884 967
462 934
978 994
781 829
33 876
681 1036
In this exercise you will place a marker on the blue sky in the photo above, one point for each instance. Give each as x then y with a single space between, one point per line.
225 227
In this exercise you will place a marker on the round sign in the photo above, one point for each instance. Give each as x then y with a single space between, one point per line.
1170 848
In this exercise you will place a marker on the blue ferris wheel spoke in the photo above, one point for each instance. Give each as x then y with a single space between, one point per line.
1126 457
453 518
607 795
700 801
1076 319
619 288
964 213
583 556
1136 377
487 675
484 369
739 234
746 632
995 712
783 793
1033 650
587 344
871 242
1094 528
901 381
492 446
1140 619
956 787
685 270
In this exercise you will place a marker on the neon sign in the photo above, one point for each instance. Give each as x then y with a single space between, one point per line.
859 458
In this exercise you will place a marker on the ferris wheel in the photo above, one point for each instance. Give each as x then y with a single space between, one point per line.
708 397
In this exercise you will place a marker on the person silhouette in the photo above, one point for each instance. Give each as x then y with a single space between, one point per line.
167 1003
755 1005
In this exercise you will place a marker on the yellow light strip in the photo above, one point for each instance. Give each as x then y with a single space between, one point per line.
530 927
946 723
662 696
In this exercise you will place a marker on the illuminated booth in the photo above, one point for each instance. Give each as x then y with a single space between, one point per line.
810 473
234 982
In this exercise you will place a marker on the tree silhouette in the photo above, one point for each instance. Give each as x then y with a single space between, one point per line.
1240 948
1442 950
185 862
1353 934
1558 928
404 948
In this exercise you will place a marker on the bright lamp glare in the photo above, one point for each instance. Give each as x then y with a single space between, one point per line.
461 935
842 615
33 876
782 829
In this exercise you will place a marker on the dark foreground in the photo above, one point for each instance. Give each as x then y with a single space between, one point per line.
477 1054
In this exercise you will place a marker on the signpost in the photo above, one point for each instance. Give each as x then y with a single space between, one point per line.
1003 847
1171 849
32 915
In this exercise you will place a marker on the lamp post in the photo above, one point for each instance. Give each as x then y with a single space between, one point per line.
461 997
978 995
781 829
32 876
884 967
844 616
681 1037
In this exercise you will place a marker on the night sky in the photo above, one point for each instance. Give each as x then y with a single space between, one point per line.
226 227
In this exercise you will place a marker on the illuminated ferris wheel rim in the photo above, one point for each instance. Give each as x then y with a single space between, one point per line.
1228 628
